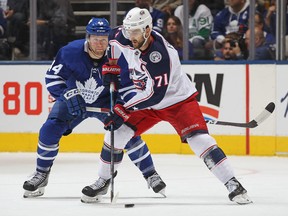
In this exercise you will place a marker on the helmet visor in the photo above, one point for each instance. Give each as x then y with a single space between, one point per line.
132 33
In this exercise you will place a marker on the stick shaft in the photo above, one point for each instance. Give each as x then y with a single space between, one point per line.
97 109
253 123
112 142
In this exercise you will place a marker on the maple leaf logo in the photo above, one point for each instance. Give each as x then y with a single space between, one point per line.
89 91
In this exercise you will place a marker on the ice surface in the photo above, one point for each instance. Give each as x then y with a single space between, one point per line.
191 188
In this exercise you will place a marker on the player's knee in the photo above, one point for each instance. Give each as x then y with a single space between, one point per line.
199 143
52 130
206 148
137 150
133 142
123 135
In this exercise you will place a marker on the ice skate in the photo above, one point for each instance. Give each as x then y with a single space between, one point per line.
94 192
237 193
156 183
36 185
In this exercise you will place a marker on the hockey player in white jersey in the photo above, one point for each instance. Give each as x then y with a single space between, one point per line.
75 81
164 93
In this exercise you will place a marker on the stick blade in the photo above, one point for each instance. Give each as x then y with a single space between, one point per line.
269 109
265 114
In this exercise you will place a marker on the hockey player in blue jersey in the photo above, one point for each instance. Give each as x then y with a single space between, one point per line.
75 81
163 93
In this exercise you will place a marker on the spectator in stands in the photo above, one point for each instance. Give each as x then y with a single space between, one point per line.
166 6
233 18
5 48
233 48
259 22
17 30
263 51
215 6
3 24
65 7
157 15
270 18
3 4
229 51
200 23
261 6
174 35
55 24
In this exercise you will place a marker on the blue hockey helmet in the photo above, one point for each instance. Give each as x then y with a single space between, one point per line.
98 26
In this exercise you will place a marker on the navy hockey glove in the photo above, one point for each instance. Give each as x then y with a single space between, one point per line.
117 118
75 102
111 74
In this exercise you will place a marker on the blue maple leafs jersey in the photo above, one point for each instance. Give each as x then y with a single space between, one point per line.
157 19
226 21
73 68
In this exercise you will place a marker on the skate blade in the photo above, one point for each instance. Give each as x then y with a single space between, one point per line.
36 193
162 192
87 199
115 198
242 199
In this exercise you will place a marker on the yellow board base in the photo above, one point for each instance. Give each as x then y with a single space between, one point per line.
158 143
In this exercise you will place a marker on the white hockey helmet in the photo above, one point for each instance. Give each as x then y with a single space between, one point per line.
137 18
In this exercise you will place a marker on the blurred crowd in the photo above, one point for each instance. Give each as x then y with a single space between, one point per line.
218 29
55 28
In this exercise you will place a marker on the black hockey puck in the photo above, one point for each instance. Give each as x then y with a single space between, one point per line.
130 205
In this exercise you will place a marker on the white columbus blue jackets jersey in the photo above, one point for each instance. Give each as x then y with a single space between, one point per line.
73 68
156 73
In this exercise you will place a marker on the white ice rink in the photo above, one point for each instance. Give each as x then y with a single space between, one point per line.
191 188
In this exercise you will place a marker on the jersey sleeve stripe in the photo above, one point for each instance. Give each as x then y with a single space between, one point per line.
54 83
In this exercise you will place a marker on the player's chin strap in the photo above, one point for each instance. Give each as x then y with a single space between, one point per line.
146 39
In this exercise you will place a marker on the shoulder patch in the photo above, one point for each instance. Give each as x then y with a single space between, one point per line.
155 57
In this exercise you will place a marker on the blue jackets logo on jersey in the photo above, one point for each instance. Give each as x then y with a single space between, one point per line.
89 91
155 57
139 79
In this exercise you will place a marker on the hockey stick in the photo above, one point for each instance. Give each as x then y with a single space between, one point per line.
112 144
253 123
97 109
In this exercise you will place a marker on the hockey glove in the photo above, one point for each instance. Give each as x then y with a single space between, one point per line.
74 101
111 74
117 118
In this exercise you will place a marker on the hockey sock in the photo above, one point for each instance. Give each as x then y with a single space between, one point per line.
105 161
106 154
216 161
205 147
139 154
48 144
46 154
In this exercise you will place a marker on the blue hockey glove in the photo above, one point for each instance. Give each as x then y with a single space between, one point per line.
117 118
111 74
75 102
